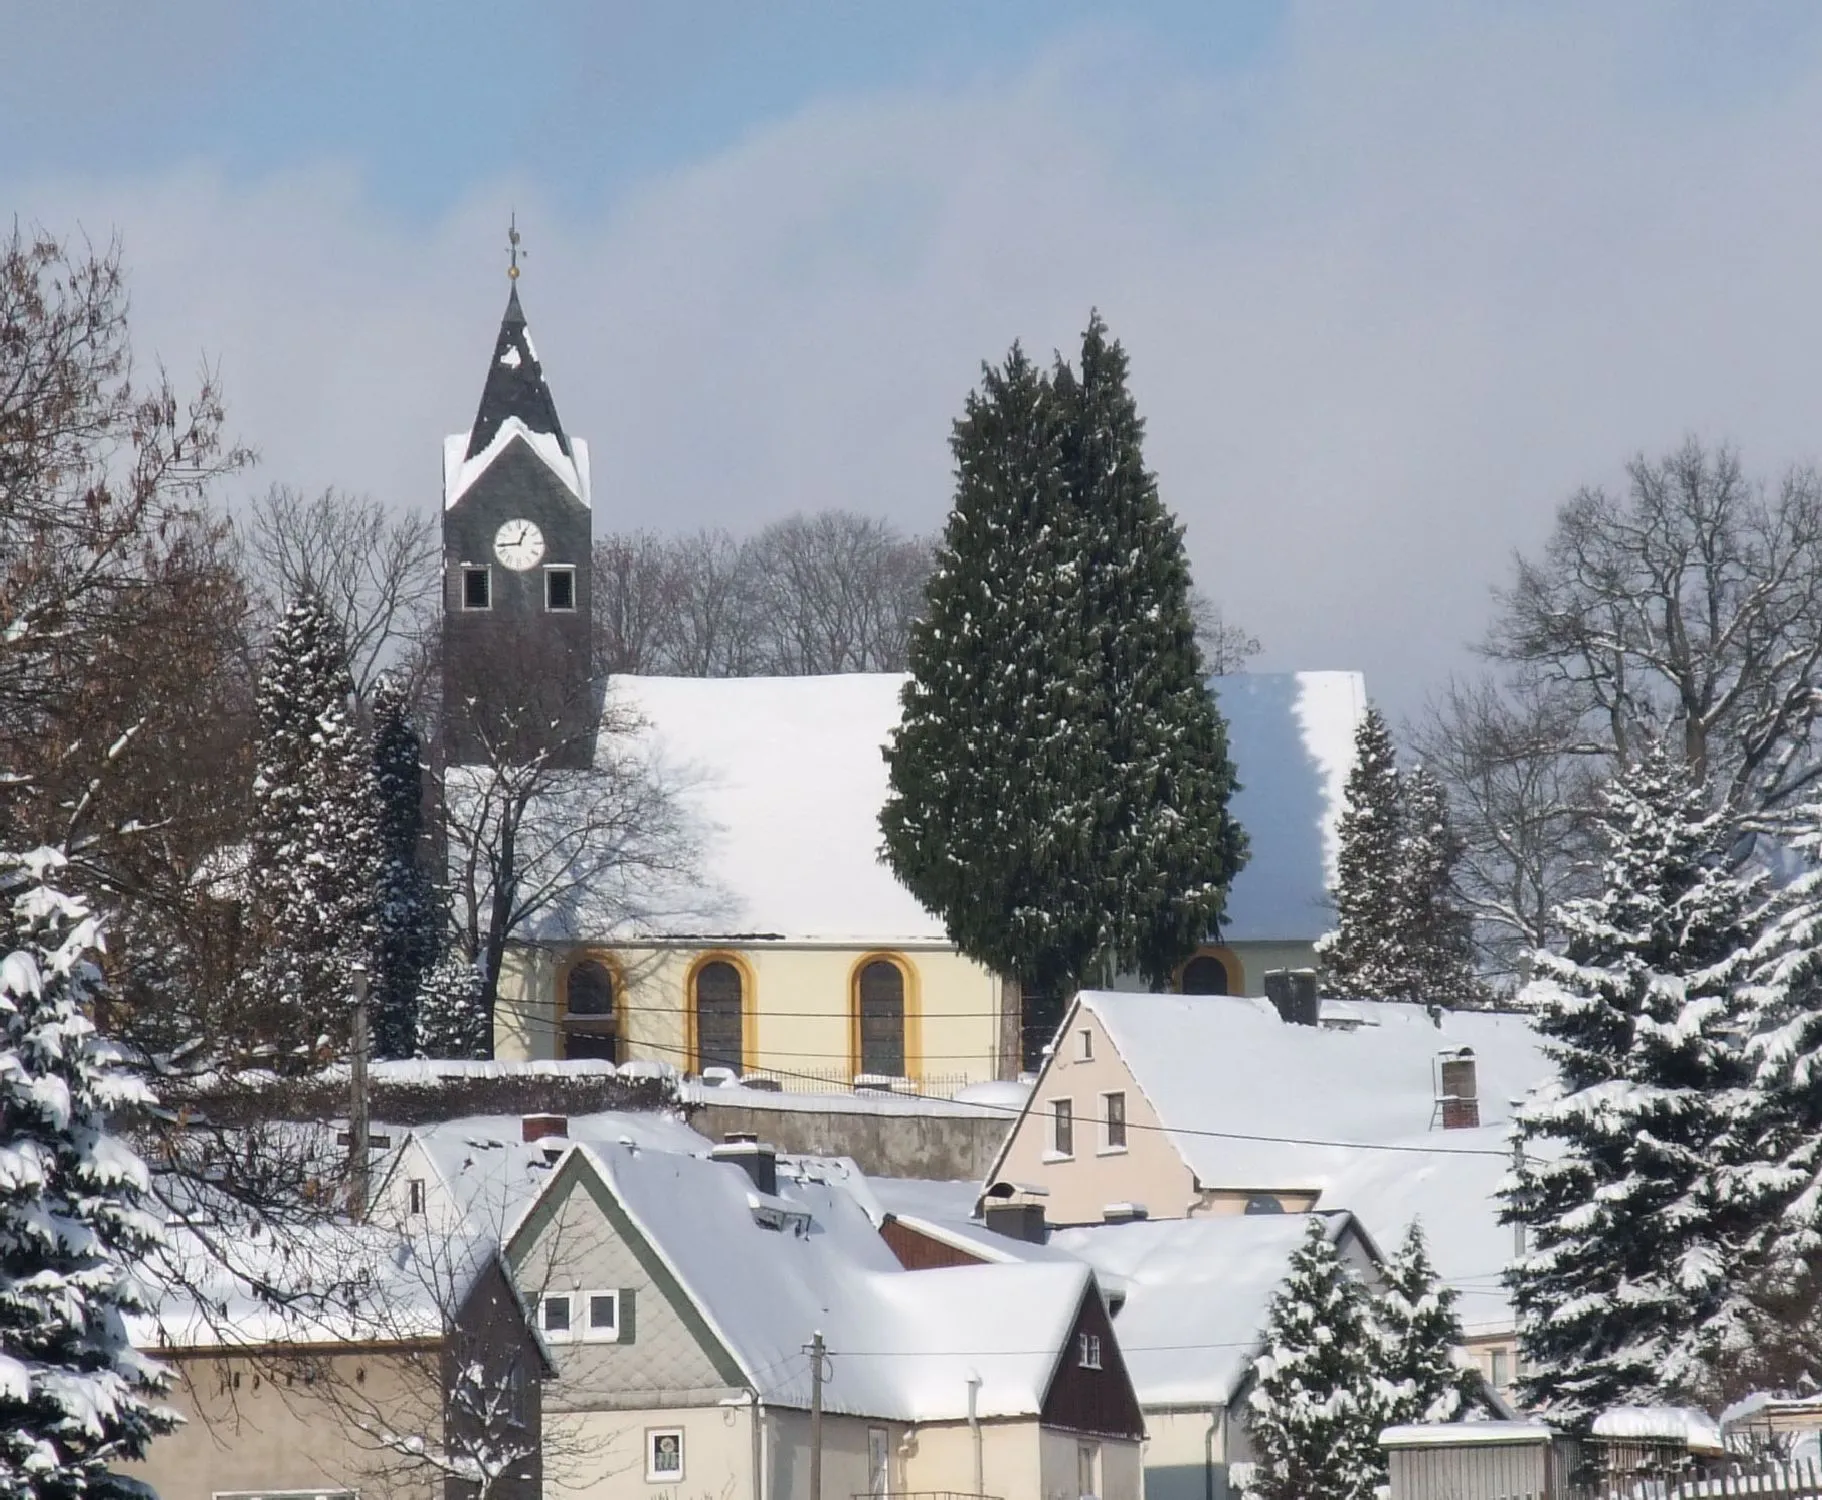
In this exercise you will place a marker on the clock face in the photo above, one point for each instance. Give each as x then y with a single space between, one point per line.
519 545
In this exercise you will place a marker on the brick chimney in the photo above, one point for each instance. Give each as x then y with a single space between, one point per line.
1459 1094
534 1128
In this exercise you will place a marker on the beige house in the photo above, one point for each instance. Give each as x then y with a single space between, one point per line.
684 1296
1183 1107
379 1363
799 955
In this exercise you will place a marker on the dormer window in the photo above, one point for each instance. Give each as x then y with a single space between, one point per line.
1088 1350
560 589
477 587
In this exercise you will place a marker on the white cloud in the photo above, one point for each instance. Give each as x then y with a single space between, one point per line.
1388 300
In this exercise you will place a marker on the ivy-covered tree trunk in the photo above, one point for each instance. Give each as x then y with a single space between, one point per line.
76 1399
1626 1289
314 851
405 916
1059 779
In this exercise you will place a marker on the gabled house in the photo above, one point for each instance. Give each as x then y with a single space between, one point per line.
1184 1107
798 954
685 1298
339 1358
1189 1299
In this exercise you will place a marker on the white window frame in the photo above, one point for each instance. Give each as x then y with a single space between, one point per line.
1088 1351
558 1335
588 1332
574 602
483 568
652 1474
1057 1152
1109 1146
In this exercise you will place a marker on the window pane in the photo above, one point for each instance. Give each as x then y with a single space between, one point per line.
1062 1116
1205 975
719 1036
882 1019
603 1311
476 593
560 589
590 990
1116 1119
556 1315
588 1004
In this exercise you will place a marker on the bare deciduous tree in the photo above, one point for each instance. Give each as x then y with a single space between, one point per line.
1226 647
838 593
380 570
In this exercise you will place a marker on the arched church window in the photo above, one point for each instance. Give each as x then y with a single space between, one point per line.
881 1002
720 1041
1205 975
590 1023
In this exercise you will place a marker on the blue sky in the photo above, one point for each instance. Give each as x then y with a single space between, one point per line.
1395 279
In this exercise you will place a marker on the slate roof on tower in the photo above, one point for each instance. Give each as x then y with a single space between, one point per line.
515 385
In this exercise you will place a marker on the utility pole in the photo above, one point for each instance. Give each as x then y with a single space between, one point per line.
359 1111
816 1352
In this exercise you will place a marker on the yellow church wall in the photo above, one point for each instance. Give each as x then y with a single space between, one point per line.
799 1002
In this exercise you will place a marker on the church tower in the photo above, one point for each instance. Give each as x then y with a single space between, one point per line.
516 537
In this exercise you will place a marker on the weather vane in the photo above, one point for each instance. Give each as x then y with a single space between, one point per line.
512 246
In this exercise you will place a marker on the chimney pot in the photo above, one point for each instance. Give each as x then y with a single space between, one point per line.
542 1127
745 1150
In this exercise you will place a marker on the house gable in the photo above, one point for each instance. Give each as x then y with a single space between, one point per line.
1084 1068
578 1239
1091 1391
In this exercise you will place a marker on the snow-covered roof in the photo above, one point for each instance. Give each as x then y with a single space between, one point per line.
1196 1293
1253 1103
1694 1429
903 1344
783 779
1291 738
461 471
1464 1434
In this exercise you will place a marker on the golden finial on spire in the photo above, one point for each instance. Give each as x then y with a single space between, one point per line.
512 247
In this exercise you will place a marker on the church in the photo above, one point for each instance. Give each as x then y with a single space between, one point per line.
792 954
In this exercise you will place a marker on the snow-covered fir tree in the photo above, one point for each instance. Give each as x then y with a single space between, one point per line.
1060 777
1625 1288
76 1399
1313 1411
1434 936
452 1018
314 847
1362 956
405 914
1423 1376
1774 1173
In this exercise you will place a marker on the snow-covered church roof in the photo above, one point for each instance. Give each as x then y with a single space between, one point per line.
783 779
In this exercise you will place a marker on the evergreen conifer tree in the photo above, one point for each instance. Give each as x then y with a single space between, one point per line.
1314 1406
1420 1335
76 1399
1625 1283
1432 933
452 1018
1059 778
314 848
405 915
1362 955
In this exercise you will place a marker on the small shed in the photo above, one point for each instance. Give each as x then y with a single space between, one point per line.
1444 1461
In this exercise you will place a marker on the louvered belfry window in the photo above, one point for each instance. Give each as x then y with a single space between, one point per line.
882 1019
718 1024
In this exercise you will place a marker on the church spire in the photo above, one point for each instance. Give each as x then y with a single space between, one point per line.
515 380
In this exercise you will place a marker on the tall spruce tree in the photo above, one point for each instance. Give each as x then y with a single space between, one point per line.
1313 1411
1060 777
76 1399
405 914
1434 938
1420 1336
1625 1286
1363 956
314 851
